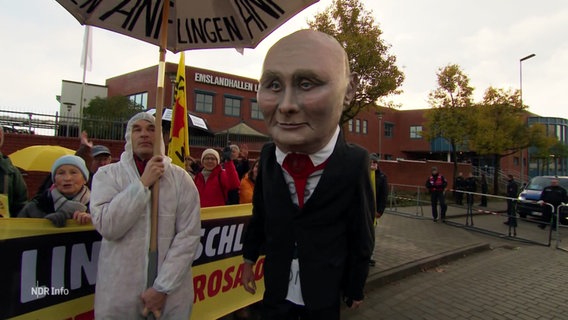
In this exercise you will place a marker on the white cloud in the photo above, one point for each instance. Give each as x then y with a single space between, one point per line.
42 46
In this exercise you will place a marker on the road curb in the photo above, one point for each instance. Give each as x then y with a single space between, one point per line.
400 272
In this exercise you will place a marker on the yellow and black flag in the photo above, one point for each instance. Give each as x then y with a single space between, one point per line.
178 148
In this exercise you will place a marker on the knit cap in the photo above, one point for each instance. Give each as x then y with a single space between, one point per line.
212 152
71 160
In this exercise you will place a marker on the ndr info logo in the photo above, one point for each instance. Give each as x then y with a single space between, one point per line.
42 291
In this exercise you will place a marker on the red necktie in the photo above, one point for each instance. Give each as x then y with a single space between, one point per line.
300 167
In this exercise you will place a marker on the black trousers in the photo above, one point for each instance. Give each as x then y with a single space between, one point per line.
511 213
287 310
438 197
548 216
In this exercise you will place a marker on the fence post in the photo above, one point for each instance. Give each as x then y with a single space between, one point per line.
418 205
558 225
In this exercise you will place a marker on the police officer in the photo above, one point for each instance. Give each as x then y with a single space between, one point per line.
554 195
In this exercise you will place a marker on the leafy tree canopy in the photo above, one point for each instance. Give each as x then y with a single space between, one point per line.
105 118
450 103
502 127
117 108
355 28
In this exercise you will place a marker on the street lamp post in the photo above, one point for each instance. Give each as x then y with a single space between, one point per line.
381 131
173 79
69 107
521 98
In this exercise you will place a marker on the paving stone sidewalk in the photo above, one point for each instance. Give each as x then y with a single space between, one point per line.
406 245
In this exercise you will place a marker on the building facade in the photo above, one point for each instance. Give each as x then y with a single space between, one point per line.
228 101
72 93
549 164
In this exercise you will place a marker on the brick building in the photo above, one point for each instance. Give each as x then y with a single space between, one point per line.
226 101
228 104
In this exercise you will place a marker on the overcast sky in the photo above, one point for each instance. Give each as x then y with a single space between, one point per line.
42 43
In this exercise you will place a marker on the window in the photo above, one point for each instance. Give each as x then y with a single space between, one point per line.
350 125
232 106
357 125
365 127
389 130
255 110
204 102
415 132
140 99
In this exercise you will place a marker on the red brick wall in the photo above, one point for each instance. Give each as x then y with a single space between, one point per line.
398 172
415 173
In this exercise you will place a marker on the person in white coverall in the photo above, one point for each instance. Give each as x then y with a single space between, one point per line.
120 208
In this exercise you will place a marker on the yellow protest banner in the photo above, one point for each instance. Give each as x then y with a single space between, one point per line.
50 273
4 206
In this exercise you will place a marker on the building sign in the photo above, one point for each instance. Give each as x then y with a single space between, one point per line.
225 82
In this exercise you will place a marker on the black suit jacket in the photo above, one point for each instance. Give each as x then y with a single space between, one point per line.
333 231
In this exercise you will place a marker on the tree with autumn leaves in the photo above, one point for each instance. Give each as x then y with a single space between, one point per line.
494 127
355 28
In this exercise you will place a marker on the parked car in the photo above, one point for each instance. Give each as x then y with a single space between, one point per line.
532 192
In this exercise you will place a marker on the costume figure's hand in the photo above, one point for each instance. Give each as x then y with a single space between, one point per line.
248 278
356 304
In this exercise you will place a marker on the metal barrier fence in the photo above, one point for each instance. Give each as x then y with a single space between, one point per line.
109 129
562 226
498 217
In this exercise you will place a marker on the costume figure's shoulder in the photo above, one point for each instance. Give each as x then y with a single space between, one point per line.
352 150
268 147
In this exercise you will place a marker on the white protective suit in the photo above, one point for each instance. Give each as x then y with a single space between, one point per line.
120 209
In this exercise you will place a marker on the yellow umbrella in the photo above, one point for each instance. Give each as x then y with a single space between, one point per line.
38 158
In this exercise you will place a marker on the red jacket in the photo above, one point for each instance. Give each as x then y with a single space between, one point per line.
215 191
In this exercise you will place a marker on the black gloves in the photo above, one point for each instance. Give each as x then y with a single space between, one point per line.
59 219
226 156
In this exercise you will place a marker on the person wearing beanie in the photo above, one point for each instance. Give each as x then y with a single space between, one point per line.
214 182
71 160
67 199
212 152
94 157
121 207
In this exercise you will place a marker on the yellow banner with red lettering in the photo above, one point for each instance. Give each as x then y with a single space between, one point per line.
50 273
